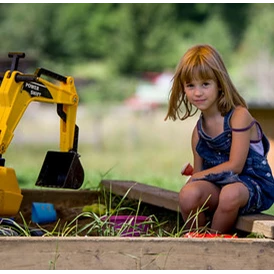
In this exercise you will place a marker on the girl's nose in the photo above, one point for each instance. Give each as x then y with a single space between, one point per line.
198 91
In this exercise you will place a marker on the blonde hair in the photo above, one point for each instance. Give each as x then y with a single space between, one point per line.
201 62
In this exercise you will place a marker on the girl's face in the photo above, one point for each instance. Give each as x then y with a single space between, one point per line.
203 94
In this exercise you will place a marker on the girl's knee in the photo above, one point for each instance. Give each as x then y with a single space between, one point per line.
233 197
189 198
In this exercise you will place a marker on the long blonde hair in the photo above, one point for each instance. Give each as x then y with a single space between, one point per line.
201 62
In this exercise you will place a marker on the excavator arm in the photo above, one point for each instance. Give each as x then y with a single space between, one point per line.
18 90
60 169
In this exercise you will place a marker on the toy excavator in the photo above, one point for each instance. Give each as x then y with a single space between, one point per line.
61 169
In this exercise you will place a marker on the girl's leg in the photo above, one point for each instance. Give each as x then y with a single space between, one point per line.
192 197
231 199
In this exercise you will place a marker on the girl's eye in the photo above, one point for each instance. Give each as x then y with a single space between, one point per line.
189 85
206 84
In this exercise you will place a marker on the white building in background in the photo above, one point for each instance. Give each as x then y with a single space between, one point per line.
151 94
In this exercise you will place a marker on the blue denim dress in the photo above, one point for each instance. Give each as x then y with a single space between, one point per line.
256 174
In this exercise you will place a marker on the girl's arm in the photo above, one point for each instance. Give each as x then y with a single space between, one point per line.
240 119
197 160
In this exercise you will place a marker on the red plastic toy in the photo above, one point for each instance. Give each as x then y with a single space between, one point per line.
187 169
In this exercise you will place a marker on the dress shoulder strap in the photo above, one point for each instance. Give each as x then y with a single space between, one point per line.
245 128
259 130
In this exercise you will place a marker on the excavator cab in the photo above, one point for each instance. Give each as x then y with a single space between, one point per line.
60 169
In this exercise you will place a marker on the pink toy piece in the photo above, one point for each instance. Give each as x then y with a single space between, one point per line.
129 226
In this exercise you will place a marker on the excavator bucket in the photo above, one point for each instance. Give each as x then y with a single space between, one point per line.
61 170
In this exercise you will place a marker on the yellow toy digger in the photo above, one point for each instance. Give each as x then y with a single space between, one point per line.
61 169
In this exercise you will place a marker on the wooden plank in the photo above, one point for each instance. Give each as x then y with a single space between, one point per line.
135 253
257 223
67 198
148 194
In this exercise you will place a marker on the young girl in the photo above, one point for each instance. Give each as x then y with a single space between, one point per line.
231 174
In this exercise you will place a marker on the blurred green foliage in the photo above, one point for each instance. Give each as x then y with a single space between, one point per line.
105 43
135 37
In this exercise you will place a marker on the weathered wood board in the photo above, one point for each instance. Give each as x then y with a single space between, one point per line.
139 253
